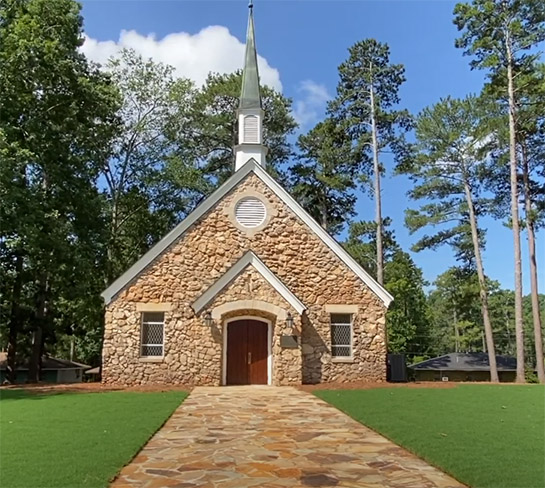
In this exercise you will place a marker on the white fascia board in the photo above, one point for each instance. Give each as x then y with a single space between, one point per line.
379 290
109 293
249 259
209 203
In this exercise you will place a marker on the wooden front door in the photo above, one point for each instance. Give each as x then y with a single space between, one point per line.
247 352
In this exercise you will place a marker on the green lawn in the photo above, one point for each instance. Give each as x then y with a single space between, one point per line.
75 439
483 435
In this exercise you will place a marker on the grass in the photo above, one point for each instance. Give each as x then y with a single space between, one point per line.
75 439
483 435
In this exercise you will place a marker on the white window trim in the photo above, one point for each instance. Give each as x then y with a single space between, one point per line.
349 358
151 358
246 129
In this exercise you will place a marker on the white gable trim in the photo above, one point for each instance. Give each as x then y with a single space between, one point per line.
248 259
210 202
379 290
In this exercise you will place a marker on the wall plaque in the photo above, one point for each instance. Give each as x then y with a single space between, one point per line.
289 341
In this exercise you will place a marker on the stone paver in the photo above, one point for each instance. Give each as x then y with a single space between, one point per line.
266 436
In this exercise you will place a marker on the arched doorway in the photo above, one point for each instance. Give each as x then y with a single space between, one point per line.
247 351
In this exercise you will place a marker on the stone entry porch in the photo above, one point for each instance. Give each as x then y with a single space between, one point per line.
264 436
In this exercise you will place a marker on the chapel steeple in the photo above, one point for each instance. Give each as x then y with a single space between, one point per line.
250 113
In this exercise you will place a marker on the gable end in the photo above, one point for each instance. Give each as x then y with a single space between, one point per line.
251 166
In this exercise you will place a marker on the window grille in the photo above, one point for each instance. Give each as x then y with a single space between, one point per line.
250 129
153 333
341 335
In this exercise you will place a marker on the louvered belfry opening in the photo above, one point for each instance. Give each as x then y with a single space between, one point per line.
250 212
251 134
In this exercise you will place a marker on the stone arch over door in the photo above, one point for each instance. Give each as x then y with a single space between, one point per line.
265 308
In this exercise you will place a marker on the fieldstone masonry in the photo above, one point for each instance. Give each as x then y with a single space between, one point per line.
193 352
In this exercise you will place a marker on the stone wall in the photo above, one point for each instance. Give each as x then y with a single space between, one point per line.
193 352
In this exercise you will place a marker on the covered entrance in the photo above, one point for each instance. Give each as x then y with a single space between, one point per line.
247 351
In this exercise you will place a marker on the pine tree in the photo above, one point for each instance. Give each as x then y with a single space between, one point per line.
448 170
366 106
215 127
323 178
499 35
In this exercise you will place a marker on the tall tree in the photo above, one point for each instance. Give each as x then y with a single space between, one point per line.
366 103
322 179
500 35
150 180
449 169
57 114
215 127
531 142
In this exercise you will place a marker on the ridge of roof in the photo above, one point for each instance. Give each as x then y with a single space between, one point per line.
250 166
249 258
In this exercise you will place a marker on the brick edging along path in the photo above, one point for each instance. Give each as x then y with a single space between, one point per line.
271 437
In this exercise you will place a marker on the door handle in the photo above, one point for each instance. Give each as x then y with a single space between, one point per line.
249 358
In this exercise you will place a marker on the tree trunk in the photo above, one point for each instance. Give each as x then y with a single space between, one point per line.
519 327
533 266
456 332
324 215
483 289
109 275
14 321
34 367
378 202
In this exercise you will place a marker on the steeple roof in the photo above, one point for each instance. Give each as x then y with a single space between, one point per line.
250 96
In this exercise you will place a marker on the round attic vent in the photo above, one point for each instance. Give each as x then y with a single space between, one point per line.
250 212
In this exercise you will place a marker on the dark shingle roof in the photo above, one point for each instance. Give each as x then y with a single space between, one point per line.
48 362
468 361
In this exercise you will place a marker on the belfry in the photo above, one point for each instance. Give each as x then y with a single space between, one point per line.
250 112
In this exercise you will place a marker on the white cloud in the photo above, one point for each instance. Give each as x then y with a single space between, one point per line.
213 49
311 107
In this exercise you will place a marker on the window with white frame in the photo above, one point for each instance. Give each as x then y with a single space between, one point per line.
341 335
153 334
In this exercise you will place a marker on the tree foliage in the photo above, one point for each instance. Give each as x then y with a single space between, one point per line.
366 107
57 112
500 36
215 128
408 317
323 178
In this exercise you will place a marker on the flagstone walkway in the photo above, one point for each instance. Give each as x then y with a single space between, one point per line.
266 436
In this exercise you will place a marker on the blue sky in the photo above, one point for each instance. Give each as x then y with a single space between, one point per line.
302 43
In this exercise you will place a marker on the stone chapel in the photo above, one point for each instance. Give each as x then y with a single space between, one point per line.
248 289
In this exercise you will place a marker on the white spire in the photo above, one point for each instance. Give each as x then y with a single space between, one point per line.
249 113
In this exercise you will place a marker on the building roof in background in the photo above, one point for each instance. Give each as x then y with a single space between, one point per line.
48 362
465 361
